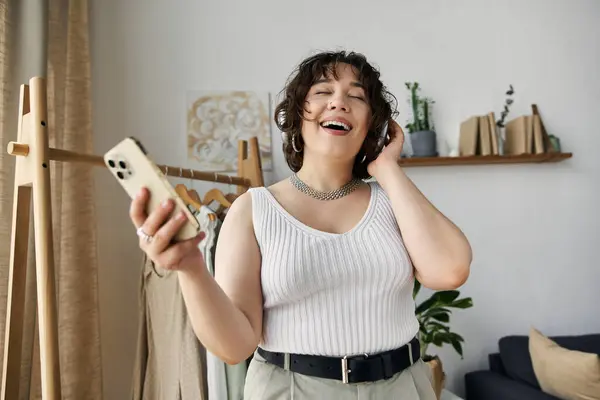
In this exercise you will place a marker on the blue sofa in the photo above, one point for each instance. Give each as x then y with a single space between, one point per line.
510 375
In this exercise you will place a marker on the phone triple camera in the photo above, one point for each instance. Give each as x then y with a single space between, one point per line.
122 168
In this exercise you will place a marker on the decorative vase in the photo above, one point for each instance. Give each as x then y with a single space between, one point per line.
554 144
501 133
439 377
424 144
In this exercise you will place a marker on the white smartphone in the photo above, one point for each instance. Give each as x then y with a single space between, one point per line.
131 166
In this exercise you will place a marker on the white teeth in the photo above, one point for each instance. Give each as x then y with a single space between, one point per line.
336 123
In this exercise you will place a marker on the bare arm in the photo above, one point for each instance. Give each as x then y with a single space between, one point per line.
439 250
226 311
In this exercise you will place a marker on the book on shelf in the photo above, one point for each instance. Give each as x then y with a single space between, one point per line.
525 134
479 136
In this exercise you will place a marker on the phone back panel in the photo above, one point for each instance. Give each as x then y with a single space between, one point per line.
133 169
382 138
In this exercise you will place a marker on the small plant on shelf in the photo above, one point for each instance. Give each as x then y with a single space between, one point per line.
421 128
421 110
508 102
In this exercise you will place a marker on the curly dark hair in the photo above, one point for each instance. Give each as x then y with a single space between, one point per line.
289 112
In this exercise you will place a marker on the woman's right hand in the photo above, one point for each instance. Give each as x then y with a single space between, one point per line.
156 232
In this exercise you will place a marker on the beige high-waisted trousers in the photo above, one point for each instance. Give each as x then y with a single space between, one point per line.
266 381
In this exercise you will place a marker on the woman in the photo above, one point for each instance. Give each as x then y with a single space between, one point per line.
314 274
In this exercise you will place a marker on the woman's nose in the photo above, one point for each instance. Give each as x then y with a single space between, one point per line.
338 102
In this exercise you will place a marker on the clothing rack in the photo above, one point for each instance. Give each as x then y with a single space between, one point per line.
32 186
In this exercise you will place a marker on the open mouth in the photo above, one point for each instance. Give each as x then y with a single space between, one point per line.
336 126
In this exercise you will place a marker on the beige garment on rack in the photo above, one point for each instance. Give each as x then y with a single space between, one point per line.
170 361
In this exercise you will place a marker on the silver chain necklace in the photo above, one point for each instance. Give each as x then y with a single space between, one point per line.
331 195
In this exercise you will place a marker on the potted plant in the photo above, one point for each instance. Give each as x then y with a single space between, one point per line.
422 133
434 318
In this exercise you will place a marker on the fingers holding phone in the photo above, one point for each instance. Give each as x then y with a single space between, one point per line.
168 239
158 230
137 208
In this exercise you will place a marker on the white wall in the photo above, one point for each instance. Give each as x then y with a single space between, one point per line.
534 228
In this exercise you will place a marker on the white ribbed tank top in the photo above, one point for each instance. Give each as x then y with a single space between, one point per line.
333 294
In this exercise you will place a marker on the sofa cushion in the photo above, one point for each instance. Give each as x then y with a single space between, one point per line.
587 343
495 363
488 385
567 374
514 352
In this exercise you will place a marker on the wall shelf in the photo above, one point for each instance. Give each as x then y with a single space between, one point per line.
481 160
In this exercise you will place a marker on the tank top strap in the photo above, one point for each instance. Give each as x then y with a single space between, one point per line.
260 210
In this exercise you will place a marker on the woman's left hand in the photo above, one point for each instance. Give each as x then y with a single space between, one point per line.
390 154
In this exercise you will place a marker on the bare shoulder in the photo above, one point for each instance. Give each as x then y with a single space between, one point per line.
241 208
281 189
237 248
237 230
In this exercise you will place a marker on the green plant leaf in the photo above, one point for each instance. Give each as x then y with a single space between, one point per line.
435 311
457 337
431 325
458 347
432 329
436 331
462 303
424 306
427 337
442 317
417 287
446 296
445 337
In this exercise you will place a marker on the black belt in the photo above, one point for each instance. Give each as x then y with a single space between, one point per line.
351 369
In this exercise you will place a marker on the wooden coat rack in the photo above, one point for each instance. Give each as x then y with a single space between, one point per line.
32 182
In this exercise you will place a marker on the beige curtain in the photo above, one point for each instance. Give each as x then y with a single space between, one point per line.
50 38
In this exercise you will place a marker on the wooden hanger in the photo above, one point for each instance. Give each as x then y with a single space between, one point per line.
231 197
195 196
189 197
221 210
218 196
